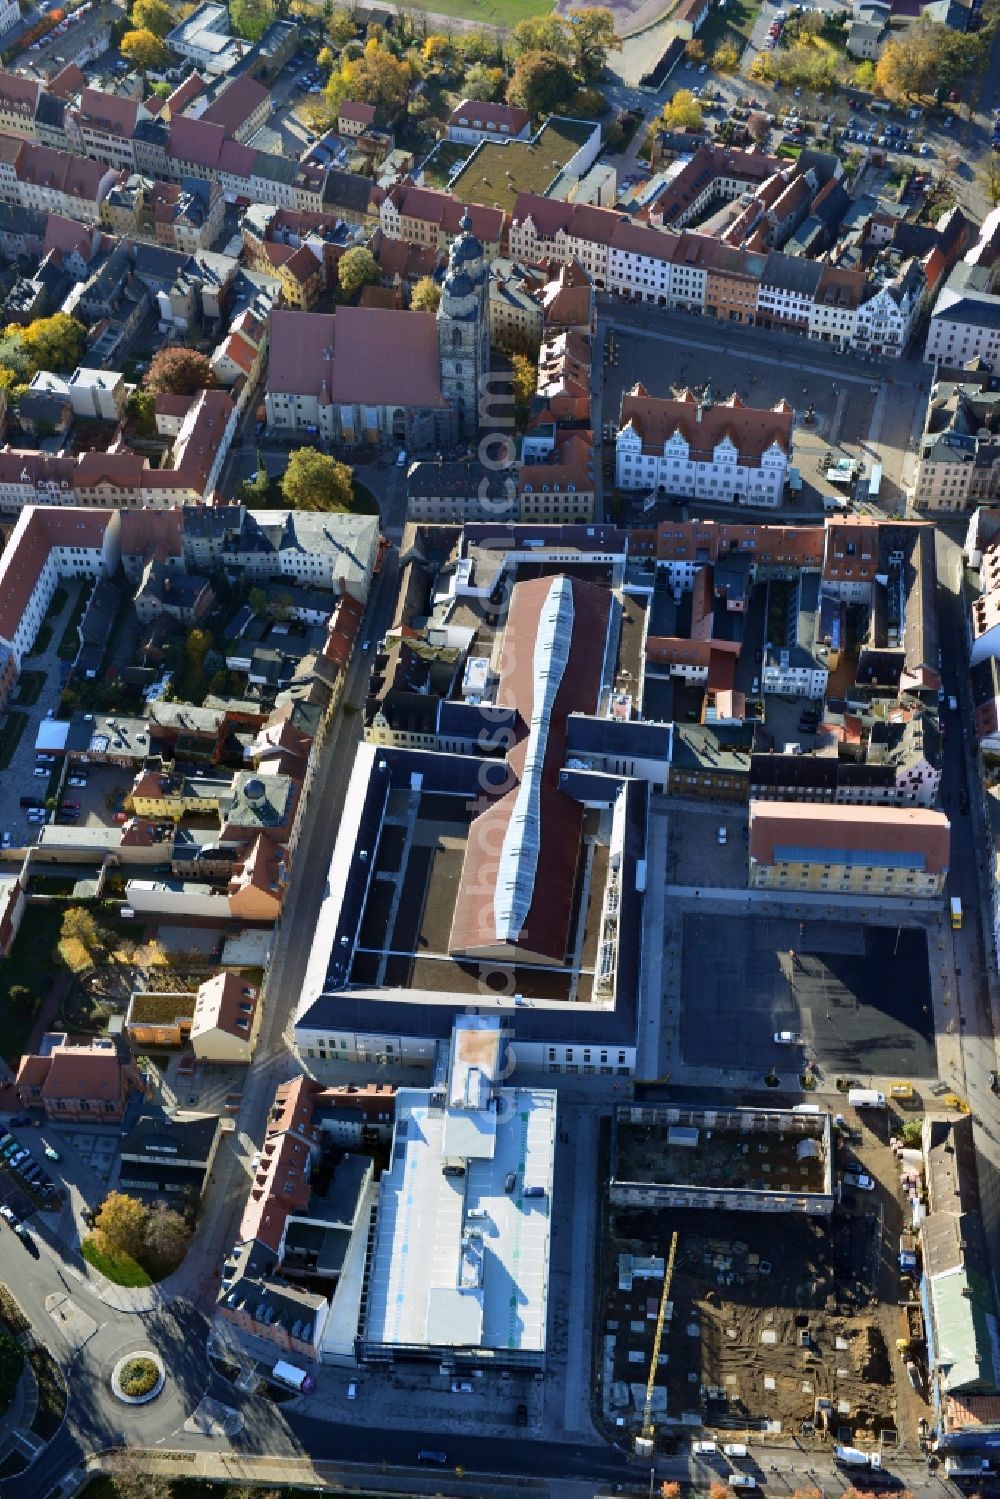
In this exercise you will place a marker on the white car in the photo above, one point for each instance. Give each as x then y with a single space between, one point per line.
722 835
859 1179
787 1038
352 1390
8 1213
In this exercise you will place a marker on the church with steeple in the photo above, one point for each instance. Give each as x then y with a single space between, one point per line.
383 376
463 329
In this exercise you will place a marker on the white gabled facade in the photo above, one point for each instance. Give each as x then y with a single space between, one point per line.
726 477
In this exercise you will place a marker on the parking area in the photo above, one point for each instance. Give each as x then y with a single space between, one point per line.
695 856
858 996
97 1149
19 779
102 799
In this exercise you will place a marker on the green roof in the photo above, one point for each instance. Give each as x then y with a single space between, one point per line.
437 169
498 170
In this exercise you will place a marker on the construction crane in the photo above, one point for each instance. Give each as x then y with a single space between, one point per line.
654 1362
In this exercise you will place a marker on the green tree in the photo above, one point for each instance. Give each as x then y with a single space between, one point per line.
592 36
166 1237
152 15
144 49
197 644
525 383
78 925
682 112
325 59
122 1220
314 481
541 34
484 83
482 46
251 18
356 268
437 50
257 599
376 77
21 999
54 343
726 57
542 83
426 295
340 27
142 410
988 177
179 372
864 75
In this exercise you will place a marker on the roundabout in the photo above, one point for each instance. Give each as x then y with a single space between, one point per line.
138 1378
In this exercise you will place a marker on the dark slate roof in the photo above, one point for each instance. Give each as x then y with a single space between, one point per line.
150 1131
50 111
346 190
616 736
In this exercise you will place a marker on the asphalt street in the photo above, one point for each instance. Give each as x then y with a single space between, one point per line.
967 878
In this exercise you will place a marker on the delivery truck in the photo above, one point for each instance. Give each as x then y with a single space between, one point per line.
292 1376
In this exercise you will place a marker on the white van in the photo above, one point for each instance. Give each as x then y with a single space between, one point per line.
292 1376
704 1449
866 1098
803 1108
742 1481
735 1449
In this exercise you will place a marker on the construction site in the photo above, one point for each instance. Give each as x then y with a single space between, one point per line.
783 1320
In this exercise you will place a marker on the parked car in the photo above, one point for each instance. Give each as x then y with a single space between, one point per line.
860 1180
52 1153
787 1038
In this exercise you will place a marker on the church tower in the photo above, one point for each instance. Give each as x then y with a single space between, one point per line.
464 329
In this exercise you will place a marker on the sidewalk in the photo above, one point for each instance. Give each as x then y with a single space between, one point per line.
344 1478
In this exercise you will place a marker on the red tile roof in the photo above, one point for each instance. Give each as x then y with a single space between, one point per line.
357 112
545 932
195 141
279 1186
476 115
881 830
18 93
360 355
38 530
440 208
112 114
236 104
61 171
183 94
68 82
752 430
222 1001
67 235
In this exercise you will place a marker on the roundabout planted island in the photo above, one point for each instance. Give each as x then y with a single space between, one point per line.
138 1378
